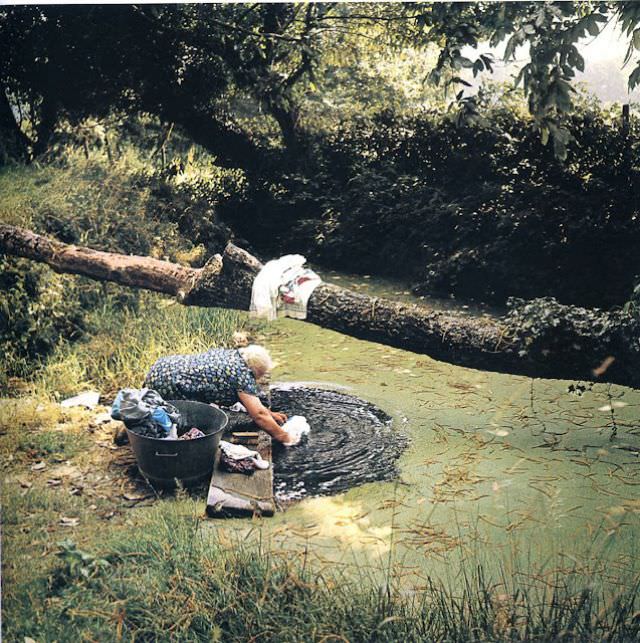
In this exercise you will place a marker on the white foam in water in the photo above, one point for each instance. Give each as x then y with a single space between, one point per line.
296 427
287 386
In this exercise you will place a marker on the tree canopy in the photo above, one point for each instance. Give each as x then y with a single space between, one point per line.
201 66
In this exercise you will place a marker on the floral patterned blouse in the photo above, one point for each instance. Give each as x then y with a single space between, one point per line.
215 376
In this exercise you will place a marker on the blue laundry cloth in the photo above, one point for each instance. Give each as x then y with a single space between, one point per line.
145 412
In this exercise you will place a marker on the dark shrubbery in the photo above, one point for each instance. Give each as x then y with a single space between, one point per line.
35 313
477 211
191 202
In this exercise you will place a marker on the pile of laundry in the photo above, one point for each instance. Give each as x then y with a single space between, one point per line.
236 458
144 412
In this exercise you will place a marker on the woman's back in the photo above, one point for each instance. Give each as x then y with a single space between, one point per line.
214 376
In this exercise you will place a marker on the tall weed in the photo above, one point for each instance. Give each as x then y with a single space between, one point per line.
169 578
126 341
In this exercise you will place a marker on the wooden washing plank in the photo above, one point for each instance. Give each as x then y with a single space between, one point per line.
240 495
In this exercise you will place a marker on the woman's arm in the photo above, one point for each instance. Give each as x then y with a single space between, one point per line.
263 417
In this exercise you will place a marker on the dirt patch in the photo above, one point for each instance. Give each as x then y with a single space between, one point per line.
70 459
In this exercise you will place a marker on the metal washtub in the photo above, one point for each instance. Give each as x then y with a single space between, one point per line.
162 462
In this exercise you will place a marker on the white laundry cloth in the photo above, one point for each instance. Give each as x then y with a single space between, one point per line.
282 288
239 452
88 399
296 426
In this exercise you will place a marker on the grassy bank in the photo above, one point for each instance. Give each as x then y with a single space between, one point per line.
127 205
166 578
125 342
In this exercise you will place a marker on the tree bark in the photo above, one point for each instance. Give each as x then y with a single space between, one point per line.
231 148
127 270
226 281
288 126
14 143
46 126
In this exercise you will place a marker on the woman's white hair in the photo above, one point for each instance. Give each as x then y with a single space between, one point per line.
257 359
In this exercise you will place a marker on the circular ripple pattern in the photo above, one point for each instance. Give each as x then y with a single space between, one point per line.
351 442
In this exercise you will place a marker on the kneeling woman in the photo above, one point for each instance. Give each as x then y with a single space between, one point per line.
222 376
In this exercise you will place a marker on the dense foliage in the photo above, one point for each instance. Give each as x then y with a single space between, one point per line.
483 211
308 128
199 65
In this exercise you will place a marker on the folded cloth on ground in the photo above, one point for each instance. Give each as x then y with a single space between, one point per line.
88 399
282 288
144 412
238 459
296 426
239 452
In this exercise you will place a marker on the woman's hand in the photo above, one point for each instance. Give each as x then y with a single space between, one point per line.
280 418
263 417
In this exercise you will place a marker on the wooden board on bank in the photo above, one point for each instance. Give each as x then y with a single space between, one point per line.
241 495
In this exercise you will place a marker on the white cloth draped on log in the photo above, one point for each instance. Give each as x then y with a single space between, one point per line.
282 288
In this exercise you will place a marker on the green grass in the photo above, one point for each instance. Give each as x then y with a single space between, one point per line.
50 444
126 206
79 189
33 429
168 579
126 341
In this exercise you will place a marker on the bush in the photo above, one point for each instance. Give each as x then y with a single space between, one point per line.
481 211
188 198
37 309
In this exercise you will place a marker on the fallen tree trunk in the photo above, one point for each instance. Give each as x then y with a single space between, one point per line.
478 342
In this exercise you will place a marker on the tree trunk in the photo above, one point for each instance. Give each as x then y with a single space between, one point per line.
231 148
46 125
287 122
14 144
226 281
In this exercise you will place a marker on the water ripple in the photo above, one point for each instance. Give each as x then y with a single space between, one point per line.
351 442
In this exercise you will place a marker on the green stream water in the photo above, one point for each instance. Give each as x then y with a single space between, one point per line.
515 473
